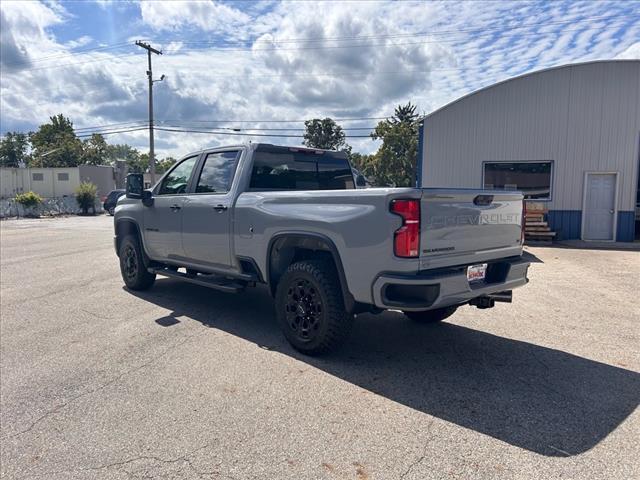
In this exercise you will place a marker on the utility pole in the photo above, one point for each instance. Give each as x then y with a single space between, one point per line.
152 158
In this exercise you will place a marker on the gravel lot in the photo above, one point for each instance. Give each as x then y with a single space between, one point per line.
183 382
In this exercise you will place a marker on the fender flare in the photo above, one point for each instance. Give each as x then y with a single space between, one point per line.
349 302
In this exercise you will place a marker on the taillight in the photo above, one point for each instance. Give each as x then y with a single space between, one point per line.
406 241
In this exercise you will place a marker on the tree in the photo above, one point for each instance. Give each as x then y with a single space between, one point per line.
396 160
86 196
95 151
364 163
324 133
138 163
13 149
55 144
121 152
164 164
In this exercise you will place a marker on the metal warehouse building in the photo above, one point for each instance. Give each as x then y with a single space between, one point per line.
568 137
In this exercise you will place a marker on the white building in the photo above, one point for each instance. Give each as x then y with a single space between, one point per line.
46 182
566 136
55 182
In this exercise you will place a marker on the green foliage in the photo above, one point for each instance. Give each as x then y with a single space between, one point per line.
86 196
164 164
139 164
395 162
325 134
95 151
28 199
55 144
121 152
13 149
364 163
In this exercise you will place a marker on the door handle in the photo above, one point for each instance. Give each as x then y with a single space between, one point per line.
175 207
220 208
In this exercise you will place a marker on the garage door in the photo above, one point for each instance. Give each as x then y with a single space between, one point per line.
599 206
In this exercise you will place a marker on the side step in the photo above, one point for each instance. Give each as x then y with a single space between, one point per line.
211 281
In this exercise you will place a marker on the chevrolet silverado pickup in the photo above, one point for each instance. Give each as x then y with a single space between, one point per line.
293 219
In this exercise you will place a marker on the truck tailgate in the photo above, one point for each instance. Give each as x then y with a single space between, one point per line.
469 226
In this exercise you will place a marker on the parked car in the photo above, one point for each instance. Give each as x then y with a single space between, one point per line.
291 218
110 201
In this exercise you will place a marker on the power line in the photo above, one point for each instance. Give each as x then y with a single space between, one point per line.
258 129
485 32
279 121
59 56
211 132
111 125
368 45
112 132
482 30
427 33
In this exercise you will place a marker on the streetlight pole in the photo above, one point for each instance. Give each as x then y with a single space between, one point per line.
152 158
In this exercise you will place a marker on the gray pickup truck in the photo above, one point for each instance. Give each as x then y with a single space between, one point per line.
293 219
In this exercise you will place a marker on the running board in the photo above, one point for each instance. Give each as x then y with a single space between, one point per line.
210 281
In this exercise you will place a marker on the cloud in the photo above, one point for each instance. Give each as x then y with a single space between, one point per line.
286 60
79 42
208 16
23 32
631 53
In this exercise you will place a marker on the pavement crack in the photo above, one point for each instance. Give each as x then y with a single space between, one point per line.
183 458
419 460
57 408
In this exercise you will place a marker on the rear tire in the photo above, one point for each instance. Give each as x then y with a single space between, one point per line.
432 316
132 267
310 308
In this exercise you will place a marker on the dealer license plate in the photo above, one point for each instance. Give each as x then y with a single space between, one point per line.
476 273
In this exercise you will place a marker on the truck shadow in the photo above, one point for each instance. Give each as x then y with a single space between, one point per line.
547 401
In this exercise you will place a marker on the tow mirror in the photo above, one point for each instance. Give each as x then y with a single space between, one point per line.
361 181
135 185
147 198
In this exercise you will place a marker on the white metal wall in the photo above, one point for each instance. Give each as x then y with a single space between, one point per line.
584 117
19 180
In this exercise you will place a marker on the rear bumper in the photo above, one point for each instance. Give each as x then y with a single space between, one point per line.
441 288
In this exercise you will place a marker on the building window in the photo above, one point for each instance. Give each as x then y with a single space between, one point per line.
37 177
533 179
63 177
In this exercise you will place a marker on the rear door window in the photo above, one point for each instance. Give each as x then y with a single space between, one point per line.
296 169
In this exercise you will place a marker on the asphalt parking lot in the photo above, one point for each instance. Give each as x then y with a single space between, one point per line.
182 382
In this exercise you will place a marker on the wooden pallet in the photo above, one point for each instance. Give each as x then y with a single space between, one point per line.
535 226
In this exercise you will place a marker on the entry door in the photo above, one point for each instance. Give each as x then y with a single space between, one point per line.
599 206
163 219
206 221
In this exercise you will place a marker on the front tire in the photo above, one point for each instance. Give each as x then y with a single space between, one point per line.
112 211
310 307
432 316
132 267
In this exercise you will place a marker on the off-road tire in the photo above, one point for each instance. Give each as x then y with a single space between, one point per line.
432 316
328 323
132 267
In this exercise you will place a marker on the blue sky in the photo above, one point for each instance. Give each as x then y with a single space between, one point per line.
254 64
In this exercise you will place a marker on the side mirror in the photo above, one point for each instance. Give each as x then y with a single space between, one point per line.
361 181
135 185
147 198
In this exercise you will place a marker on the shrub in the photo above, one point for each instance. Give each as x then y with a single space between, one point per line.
86 196
28 199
